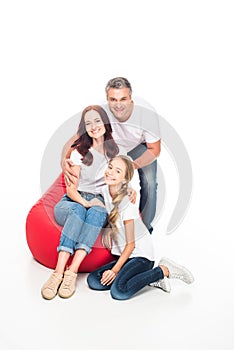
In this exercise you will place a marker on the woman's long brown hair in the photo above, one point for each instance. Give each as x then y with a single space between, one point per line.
84 141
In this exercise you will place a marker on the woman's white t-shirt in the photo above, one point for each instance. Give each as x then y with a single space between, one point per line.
91 177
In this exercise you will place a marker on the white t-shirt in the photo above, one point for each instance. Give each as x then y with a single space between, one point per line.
92 177
142 126
143 239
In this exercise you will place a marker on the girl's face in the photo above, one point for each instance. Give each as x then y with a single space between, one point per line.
94 124
115 172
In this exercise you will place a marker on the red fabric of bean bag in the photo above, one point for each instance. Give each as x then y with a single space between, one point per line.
43 233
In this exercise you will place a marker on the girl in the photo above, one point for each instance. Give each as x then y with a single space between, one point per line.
131 242
81 210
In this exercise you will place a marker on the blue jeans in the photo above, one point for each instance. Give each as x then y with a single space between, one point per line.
134 275
148 183
81 225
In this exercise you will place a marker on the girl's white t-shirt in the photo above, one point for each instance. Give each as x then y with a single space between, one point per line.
92 177
127 211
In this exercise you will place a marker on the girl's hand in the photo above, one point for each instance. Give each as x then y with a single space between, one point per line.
108 277
132 195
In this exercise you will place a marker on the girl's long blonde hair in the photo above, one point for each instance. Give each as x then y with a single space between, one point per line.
122 192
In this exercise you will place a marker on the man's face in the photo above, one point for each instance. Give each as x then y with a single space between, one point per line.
120 103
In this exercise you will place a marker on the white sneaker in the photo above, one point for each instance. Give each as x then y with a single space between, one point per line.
163 284
177 271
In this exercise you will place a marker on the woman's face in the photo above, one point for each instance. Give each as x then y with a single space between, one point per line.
115 172
94 124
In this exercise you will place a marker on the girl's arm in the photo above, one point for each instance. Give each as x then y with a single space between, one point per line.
108 276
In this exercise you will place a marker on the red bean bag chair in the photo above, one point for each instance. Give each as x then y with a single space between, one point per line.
43 233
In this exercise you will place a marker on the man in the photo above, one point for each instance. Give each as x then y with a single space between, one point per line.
136 128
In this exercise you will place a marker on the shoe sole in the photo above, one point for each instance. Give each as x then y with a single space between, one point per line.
163 261
166 290
46 298
66 296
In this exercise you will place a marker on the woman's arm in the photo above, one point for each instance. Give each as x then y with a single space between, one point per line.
67 148
71 190
108 276
66 163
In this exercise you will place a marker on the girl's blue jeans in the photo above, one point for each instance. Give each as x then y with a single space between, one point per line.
81 225
134 275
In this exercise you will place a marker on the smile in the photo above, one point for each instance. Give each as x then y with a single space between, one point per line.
110 178
95 131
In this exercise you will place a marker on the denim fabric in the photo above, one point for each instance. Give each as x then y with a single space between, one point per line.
148 183
134 275
81 225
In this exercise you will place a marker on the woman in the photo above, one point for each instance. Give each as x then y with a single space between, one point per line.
131 242
81 210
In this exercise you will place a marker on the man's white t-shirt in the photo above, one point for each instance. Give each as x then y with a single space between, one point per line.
143 239
142 126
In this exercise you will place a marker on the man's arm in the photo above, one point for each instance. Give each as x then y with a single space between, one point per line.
152 152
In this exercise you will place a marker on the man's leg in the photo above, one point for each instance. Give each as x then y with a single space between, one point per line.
148 183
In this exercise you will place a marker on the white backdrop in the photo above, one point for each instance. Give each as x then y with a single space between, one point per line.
56 57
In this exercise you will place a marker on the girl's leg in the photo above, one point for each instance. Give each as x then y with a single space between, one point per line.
134 275
94 277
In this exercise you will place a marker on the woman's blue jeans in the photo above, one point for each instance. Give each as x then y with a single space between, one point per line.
148 183
135 274
81 225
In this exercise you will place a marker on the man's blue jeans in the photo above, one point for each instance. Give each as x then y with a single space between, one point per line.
148 183
135 274
81 225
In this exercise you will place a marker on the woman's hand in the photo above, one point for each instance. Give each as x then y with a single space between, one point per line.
108 277
95 202
132 195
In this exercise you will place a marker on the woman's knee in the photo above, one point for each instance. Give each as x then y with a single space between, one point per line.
97 215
